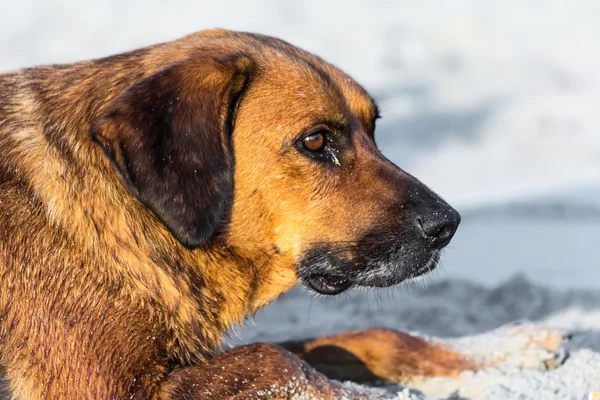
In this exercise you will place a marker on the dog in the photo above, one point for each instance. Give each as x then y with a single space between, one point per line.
151 200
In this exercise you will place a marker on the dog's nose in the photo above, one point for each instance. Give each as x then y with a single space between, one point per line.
439 226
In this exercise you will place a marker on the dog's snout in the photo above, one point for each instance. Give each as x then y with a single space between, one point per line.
439 226
435 219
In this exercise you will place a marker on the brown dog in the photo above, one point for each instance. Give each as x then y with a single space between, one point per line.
150 200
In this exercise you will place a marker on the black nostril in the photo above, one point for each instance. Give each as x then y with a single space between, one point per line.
445 233
439 226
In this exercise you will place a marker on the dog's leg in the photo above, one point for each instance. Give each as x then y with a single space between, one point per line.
384 354
256 371
379 354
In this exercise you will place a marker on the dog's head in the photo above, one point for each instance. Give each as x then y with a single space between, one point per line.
261 146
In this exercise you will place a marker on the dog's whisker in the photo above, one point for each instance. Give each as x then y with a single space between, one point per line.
308 314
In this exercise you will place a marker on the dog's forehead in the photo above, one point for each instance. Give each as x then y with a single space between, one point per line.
306 76
316 87
290 81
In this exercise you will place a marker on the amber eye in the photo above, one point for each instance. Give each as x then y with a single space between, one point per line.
314 142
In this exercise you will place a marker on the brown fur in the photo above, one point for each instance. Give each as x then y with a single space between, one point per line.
98 297
379 354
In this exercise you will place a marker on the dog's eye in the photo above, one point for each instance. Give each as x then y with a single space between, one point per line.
314 142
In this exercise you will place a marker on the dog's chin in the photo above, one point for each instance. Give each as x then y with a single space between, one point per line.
336 282
327 284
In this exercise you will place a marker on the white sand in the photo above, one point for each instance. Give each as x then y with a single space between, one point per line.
465 315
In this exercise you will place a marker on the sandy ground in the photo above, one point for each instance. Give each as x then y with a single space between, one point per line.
468 316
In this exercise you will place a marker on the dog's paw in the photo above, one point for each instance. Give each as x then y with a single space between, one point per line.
524 346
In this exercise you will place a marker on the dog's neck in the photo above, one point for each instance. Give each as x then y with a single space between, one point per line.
200 293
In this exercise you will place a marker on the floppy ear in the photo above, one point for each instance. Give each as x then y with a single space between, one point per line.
169 137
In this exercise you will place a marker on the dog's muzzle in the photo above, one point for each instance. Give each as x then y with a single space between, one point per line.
398 249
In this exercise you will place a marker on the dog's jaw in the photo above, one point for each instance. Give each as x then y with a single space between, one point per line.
323 274
275 277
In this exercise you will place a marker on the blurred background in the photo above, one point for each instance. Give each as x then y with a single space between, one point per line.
493 104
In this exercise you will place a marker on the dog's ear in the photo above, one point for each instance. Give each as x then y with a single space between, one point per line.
169 137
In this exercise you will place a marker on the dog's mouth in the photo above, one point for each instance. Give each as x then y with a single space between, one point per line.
428 267
331 281
327 284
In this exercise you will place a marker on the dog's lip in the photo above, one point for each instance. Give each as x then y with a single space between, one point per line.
327 284
428 267
333 284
